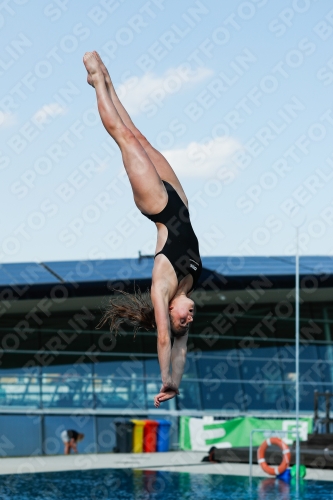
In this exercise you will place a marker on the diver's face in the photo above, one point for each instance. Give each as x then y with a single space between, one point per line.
181 312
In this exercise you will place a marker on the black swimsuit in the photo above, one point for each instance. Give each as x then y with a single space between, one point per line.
181 247
73 435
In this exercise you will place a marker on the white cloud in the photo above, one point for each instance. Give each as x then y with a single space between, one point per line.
7 120
205 159
102 166
41 115
52 110
150 91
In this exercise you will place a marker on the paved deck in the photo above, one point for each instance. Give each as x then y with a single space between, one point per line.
173 461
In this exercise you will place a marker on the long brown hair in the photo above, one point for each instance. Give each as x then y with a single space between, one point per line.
132 309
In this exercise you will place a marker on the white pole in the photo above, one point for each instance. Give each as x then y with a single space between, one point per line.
297 360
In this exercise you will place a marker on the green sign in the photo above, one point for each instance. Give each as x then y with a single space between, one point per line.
202 433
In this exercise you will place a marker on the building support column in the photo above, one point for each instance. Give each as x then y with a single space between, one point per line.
328 338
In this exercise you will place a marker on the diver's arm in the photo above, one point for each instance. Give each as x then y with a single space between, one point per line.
178 358
160 300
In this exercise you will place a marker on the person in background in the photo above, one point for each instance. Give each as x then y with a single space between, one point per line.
211 456
70 438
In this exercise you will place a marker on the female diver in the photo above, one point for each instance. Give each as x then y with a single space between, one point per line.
159 195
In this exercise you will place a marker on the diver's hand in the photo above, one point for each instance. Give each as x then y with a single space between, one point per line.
164 396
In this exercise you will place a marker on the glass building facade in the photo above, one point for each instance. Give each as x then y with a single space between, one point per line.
249 367
54 363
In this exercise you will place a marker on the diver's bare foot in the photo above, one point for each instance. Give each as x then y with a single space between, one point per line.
91 63
164 396
90 80
102 65
107 78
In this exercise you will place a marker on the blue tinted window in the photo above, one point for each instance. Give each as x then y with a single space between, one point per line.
224 368
261 371
190 368
261 375
262 395
221 395
325 354
112 393
189 397
152 369
119 383
19 390
306 351
67 385
115 367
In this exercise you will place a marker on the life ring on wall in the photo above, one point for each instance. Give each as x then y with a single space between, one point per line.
273 470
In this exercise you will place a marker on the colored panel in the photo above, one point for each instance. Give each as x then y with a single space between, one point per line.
150 436
102 270
130 269
184 434
20 435
28 273
273 266
124 432
201 435
106 434
138 435
163 435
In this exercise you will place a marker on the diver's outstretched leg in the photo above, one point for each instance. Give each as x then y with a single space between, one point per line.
161 164
148 190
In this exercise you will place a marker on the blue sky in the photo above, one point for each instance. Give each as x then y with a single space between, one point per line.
237 95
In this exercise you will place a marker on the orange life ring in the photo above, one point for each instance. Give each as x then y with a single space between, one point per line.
274 471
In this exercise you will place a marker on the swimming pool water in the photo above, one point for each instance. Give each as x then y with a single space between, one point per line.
128 484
